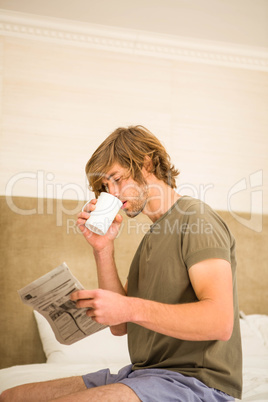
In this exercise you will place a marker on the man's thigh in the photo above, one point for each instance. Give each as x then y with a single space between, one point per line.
43 391
105 393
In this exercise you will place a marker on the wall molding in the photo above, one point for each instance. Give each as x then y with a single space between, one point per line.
167 47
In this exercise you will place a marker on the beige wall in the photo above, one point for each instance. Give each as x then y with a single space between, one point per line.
59 101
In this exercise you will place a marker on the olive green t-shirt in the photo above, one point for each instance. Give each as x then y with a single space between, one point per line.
189 232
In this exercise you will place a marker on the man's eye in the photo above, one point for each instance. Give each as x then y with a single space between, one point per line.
117 180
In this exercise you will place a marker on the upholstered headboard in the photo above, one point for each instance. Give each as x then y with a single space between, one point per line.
38 235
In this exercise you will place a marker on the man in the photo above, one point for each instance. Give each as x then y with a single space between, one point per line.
179 306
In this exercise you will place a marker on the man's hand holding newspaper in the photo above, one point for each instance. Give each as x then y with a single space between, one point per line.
50 296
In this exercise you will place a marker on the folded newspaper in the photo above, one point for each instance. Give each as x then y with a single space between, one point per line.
50 296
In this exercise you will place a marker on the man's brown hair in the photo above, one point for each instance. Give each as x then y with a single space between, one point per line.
130 147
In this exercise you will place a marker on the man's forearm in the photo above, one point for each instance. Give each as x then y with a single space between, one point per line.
108 279
107 272
199 321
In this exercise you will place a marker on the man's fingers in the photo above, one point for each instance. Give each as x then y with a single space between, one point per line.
82 294
89 206
84 215
118 218
88 303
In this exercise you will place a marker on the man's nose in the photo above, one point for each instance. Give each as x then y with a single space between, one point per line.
113 189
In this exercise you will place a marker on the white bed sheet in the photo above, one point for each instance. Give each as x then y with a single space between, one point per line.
254 330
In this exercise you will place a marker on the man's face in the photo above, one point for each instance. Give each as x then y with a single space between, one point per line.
133 195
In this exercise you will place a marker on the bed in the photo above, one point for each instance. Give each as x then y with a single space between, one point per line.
33 244
103 350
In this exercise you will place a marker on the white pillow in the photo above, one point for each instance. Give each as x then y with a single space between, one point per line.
259 324
101 347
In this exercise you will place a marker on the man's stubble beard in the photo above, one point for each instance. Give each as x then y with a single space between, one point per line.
139 204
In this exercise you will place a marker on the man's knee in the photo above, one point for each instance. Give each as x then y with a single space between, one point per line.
43 391
16 394
9 395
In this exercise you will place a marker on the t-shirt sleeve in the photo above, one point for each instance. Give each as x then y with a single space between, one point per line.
204 235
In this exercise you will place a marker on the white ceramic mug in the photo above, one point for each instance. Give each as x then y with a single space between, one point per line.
101 218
